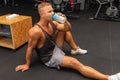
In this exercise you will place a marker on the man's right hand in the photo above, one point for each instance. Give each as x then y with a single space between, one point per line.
22 68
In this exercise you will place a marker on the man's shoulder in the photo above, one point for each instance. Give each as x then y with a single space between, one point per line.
34 31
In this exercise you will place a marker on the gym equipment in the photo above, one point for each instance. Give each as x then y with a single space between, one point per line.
101 2
57 5
10 3
64 6
112 11
73 8
5 31
39 1
67 7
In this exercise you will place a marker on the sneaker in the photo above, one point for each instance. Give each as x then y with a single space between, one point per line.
78 51
114 77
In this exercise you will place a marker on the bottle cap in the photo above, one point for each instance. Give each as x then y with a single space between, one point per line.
54 17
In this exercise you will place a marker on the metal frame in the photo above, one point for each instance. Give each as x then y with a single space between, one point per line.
101 2
7 1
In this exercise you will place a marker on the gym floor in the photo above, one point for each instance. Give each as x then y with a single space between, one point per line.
100 38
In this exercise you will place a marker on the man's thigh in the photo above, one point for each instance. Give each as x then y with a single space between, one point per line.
60 38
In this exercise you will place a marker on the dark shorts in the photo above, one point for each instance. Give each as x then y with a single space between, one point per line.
56 58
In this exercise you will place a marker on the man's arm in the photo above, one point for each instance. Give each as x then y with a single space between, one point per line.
63 27
32 42
31 45
67 25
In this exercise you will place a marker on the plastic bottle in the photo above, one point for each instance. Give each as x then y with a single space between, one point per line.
58 18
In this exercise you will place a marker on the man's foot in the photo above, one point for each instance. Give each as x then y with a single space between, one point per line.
114 77
78 51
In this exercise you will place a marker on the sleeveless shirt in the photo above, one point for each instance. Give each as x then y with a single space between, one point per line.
46 51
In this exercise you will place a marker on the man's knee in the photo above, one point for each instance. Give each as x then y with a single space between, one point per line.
74 62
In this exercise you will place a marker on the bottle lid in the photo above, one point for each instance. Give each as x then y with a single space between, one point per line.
54 17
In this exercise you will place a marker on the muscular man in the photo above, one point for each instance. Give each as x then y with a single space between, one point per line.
47 37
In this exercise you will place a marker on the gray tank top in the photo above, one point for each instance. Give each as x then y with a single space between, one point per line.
46 51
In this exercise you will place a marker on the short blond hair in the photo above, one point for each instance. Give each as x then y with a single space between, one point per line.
42 5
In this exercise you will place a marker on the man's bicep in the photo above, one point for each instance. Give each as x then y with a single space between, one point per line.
33 37
32 42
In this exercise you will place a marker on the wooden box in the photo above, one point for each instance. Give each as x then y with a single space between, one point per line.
18 29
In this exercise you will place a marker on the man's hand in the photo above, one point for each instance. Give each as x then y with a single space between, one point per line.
22 68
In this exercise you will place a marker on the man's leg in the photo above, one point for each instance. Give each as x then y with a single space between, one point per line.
69 39
60 38
67 36
70 62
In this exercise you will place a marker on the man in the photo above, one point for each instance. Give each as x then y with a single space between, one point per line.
47 37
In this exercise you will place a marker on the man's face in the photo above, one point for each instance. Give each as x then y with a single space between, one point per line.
47 13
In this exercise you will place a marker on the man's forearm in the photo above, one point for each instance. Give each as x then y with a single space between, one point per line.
67 25
28 56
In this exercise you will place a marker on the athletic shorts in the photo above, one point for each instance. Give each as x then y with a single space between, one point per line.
56 58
